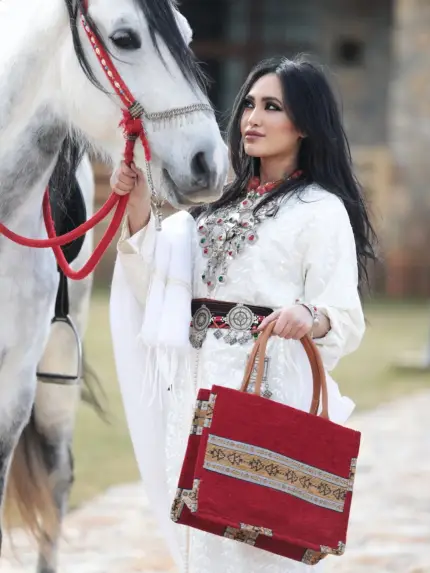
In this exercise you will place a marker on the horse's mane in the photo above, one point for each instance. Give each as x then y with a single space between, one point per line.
63 179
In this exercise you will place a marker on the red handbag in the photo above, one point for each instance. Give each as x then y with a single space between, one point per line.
267 474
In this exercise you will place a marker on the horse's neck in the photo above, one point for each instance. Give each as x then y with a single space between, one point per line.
30 131
30 36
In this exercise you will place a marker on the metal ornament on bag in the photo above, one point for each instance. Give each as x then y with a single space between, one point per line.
265 390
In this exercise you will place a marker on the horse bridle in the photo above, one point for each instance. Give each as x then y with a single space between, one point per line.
134 112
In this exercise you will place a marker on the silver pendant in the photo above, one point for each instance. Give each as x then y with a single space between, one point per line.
197 339
231 338
246 337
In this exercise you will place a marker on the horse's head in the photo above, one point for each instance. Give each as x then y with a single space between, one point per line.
148 42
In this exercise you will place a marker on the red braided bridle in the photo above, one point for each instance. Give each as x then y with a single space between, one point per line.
133 130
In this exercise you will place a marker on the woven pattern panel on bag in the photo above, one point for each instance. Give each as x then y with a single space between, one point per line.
269 469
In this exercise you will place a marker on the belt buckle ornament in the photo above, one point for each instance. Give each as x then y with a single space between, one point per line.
240 319
201 321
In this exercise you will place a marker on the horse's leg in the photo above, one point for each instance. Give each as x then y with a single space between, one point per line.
42 468
55 413
56 403
54 419
17 391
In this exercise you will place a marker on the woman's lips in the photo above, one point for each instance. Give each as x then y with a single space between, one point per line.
250 135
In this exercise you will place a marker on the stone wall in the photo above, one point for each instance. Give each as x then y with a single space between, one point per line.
408 237
355 44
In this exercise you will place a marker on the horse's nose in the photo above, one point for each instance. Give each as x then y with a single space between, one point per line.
203 170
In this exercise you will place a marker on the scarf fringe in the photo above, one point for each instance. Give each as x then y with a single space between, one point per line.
162 367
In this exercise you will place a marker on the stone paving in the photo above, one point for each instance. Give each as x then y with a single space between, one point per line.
390 520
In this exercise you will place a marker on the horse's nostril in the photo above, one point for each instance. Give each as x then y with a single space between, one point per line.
201 170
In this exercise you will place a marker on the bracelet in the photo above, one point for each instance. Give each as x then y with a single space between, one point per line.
314 312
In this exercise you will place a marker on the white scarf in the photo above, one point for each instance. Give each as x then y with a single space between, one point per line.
165 329
150 345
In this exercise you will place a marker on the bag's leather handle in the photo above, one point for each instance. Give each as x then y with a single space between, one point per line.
318 372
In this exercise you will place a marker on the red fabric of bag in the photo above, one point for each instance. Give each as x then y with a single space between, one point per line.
267 474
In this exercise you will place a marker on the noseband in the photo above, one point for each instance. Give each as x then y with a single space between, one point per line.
134 129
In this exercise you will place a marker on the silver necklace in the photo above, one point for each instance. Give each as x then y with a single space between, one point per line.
225 232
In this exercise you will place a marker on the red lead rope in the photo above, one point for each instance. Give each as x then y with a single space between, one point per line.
133 130
55 242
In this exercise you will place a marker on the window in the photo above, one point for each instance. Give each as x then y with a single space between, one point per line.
293 22
206 18
349 52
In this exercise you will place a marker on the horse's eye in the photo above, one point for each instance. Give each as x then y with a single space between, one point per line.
126 39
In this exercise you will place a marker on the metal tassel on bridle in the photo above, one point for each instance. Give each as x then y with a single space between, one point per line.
134 129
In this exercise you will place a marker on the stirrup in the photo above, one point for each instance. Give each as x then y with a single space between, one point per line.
65 379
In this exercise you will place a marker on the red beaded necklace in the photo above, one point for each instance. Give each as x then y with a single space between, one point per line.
254 187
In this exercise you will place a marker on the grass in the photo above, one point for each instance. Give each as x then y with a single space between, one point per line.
372 375
103 454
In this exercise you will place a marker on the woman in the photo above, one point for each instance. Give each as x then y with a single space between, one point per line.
287 242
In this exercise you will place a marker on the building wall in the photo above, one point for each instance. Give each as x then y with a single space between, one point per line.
356 45
408 257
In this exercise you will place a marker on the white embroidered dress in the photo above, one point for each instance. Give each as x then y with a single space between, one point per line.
306 252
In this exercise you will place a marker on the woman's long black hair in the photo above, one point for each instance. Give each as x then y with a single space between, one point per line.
324 155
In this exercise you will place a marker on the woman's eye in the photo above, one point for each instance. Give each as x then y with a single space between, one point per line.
273 107
126 40
248 103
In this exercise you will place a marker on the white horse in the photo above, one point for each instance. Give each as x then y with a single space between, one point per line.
55 96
